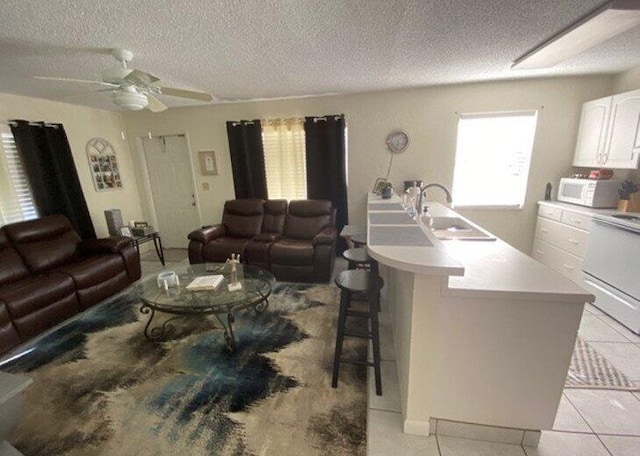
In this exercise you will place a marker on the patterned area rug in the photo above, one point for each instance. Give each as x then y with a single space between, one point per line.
589 369
100 387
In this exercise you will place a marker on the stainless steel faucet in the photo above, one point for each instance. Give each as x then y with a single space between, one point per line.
423 191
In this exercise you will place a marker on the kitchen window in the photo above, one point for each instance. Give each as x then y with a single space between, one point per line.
493 155
16 199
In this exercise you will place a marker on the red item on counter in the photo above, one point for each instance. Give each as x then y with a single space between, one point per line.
601 174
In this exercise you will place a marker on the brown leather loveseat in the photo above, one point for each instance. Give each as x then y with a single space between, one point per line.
295 241
47 274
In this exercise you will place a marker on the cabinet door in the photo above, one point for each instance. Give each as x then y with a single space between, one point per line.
623 141
590 145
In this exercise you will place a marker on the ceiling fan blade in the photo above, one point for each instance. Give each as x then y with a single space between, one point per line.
191 94
155 105
141 78
84 81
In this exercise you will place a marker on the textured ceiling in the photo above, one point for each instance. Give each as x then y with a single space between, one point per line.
248 49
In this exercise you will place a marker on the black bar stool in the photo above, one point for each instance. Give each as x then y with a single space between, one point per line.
358 258
358 282
359 240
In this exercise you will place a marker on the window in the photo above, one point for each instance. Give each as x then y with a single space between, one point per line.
284 158
16 199
493 154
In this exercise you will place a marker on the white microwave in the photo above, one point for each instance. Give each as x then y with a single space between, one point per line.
589 192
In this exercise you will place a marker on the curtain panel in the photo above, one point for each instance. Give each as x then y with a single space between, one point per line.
49 164
247 159
326 151
284 158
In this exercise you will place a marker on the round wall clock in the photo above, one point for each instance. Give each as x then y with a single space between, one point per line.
397 141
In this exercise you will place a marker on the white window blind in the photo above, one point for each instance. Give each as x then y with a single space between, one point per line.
493 154
16 199
283 143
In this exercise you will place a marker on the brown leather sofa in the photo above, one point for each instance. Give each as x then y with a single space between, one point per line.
295 241
47 274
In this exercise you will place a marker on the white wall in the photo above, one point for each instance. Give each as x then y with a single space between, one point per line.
428 115
82 124
629 80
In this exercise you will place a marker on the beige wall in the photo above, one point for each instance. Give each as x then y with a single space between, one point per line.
629 80
82 124
428 115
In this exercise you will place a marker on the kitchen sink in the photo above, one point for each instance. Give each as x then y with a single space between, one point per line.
450 228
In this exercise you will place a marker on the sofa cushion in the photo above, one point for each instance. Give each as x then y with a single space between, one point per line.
220 250
92 270
275 212
8 335
292 252
242 218
34 292
44 243
307 217
12 268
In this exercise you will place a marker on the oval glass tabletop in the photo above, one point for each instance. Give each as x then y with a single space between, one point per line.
256 286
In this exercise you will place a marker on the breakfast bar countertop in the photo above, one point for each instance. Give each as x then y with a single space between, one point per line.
475 268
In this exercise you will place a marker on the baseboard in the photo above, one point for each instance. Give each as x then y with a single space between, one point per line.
415 427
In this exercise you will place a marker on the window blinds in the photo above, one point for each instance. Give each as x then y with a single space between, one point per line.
283 142
16 199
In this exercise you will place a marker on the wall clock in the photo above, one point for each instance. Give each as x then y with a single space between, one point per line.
397 141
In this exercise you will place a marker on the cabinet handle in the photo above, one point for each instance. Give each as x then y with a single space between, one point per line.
573 241
539 252
599 158
605 158
570 268
544 230
577 221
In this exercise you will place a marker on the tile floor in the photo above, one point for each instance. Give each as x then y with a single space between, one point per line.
589 422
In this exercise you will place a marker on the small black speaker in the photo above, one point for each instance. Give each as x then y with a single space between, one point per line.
114 221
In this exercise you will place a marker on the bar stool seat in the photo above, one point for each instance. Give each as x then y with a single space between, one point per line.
359 239
359 258
352 283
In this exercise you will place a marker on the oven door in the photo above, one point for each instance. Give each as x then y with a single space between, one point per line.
613 257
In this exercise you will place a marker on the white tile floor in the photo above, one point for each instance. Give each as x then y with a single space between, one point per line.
589 422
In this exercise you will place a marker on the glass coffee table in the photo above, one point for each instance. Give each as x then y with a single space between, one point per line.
222 303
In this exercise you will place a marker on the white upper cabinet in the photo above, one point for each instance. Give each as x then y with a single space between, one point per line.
623 142
592 133
609 132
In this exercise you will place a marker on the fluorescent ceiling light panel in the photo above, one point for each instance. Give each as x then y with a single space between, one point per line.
609 20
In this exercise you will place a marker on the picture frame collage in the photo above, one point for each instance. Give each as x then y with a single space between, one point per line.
103 164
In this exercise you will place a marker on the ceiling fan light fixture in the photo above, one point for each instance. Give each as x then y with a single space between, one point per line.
130 100
600 25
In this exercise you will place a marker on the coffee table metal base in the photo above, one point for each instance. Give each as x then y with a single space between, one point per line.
166 329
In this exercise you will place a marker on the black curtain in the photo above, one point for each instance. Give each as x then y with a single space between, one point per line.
247 159
52 173
326 165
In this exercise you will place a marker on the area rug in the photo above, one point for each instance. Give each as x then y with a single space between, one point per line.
100 387
589 369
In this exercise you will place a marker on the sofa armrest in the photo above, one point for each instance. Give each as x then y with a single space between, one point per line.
112 244
208 234
326 236
266 237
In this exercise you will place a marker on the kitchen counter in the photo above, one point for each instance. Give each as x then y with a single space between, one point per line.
486 268
483 333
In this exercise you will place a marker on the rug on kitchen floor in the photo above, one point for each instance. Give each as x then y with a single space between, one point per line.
100 387
589 369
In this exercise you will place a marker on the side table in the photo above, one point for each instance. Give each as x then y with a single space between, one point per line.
157 243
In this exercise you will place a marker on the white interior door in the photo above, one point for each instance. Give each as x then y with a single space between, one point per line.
171 181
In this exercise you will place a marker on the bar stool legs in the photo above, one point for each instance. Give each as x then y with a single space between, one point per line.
358 282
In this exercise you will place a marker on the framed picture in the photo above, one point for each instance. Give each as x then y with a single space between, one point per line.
208 165
379 185
126 231
103 165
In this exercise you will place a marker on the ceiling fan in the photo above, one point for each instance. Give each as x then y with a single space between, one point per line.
132 89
